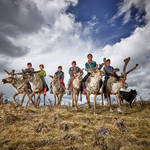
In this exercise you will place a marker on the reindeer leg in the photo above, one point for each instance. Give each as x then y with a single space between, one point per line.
95 96
14 96
76 101
80 97
109 102
88 100
33 102
60 98
38 99
72 99
102 99
22 100
119 103
55 99
30 98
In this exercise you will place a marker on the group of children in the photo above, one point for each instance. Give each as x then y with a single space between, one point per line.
90 64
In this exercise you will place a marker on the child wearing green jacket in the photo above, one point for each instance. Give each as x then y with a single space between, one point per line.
41 75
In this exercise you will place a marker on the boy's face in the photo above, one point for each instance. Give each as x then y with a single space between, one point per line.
74 64
29 66
90 58
107 63
59 69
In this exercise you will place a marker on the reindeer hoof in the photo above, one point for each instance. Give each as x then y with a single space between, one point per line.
119 110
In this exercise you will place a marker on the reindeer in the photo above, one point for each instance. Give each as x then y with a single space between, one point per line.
76 88
115 82
36 86
18 84
57 89
92 84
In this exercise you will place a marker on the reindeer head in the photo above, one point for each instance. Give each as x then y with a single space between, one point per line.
97 72
54 78
78 75
122 78
28 76
11 77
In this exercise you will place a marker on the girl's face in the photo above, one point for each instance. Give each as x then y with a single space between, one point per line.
41 68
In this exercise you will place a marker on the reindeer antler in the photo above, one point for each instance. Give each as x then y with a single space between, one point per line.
132 69
125 65
50 76
100 66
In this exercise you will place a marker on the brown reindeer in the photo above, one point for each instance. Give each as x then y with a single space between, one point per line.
92 84
115 82
36 86
57 89
76 88
18 83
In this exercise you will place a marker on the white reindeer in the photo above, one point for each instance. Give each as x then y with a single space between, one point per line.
115 83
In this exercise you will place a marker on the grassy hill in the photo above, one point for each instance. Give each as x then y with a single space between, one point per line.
62 128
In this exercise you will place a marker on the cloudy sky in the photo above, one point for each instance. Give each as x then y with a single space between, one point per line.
55 32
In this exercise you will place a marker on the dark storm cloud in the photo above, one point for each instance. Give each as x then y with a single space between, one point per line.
17 18
20 16
7 48
4 66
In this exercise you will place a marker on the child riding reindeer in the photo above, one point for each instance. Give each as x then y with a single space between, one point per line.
72 71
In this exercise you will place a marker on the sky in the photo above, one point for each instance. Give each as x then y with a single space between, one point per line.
56 32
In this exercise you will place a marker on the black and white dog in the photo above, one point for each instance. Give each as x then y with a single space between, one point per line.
128 96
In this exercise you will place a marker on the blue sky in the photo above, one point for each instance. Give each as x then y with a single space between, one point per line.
105 30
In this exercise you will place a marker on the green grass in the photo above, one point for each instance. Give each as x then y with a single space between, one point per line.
23 128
